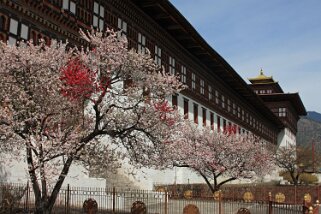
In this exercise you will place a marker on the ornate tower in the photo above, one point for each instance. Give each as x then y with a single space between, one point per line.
288 107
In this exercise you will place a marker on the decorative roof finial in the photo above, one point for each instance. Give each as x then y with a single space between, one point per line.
261 72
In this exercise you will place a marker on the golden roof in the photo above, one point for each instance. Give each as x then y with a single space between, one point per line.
261 78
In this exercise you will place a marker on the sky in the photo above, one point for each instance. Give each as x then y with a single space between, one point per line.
283 37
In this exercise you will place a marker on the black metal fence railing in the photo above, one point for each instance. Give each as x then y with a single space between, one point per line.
19 198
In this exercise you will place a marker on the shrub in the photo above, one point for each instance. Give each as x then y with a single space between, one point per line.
10 196
306 178
286 176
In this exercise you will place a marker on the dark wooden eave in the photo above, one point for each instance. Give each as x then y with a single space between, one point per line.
267 85
171 20
294 98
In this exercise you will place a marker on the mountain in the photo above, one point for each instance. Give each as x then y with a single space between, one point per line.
309 130
312 115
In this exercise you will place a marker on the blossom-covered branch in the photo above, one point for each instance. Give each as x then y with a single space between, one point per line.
62 105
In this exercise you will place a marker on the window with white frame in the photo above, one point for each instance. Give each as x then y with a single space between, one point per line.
186 108
158 55
238 112
98 16
141 43
282 112
228 105
234 108
193 81
210 93
212 120
13 29
171 64
122 26
260 127
195 112
202 88
183 74
17 31
204 112
217 97
24 32
174 100
223 101
69 5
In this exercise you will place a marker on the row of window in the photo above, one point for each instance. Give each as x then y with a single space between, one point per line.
21 30
198 85
282 112
171 66
69 5
212 117
220 99
85 10
263 91
215 121
286 114
18 30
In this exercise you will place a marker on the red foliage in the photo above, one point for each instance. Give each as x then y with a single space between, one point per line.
230 129
164 108
78 81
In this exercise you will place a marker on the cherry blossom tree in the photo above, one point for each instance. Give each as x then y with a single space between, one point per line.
297 161
62 106
220 157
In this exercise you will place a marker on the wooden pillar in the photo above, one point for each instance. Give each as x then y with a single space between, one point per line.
220 202
166 202
305 205
270 203
114 199
67 200
26 207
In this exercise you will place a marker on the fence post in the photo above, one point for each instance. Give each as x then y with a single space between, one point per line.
27 198
67 200
270 203
166 201
295 194
305 205
114 199
220 202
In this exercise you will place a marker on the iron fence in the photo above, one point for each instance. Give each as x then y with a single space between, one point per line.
19 198
282 193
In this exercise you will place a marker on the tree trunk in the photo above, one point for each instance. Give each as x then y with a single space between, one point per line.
295 179
42 208
44 205
56 189
212 188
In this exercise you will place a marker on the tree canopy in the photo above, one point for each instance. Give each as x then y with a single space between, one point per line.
60 105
